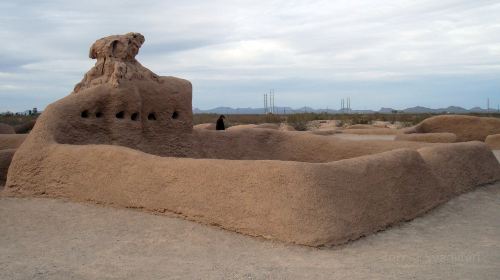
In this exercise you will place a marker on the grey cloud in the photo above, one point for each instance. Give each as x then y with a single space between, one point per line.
325 48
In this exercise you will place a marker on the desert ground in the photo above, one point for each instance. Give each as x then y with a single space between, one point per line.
56 239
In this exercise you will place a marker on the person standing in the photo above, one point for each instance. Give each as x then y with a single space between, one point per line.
220 123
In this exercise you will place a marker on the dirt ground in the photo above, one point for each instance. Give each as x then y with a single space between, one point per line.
54 239
51 239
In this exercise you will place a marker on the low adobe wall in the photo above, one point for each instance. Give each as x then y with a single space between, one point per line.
466 128
371 131
8 145
493 141
25 127
5 159
306 203
11 141
6 129
443 137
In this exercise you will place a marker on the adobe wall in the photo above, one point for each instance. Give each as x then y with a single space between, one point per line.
493 141
120 102
443 137
467 128
6 129
5 160
307 203
291 186
11 141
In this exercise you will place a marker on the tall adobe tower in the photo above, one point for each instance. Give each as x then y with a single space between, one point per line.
120 102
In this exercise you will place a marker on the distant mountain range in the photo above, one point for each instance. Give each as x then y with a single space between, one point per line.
288 110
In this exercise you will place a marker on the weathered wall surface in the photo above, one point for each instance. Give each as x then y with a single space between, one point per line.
306 203
493 141
25 127
153 117
8 146
443 137
6 129
271 144
467 128
5 159
11 141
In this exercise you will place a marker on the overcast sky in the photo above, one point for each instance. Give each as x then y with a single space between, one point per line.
380 53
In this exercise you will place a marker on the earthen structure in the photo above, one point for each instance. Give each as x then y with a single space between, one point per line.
466 128
6 129
442 137
125 137
493 141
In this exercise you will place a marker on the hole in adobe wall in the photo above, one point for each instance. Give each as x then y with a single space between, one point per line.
98 115
134 116
113 47
85 114
175 115
120 115
152 117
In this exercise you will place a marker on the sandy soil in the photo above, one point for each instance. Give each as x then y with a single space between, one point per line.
53 239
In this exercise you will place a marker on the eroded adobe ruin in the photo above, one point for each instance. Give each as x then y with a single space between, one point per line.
124 137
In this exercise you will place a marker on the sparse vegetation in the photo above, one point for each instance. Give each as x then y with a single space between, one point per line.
16 119
299 120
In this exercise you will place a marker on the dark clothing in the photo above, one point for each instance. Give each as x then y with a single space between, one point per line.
220 124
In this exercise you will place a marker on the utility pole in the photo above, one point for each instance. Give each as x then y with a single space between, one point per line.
274 105
488 105
265 103
272 101
345 105
269 104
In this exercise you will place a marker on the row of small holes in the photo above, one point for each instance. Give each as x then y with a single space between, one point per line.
134 116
